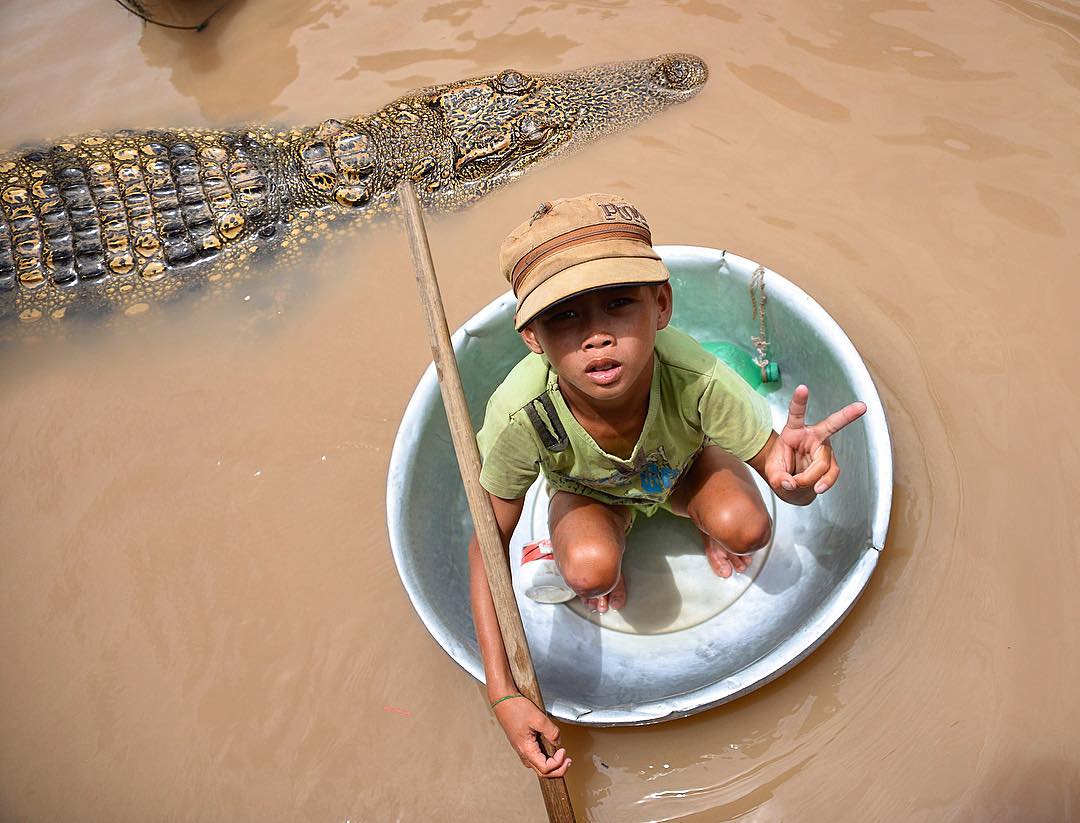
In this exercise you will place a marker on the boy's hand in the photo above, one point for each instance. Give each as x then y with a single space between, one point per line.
521 720
800 463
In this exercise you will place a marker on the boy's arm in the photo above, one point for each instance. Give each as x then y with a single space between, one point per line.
519 718
500 682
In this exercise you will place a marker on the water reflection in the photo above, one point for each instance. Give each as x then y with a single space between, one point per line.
239 64
707 8
725 761
455 12
963 140
853 33
1059 16
526 50
790 93
1021 210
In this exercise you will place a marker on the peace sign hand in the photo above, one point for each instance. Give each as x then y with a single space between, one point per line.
800 464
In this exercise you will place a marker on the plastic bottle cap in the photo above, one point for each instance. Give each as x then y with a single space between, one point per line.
549 594
772 373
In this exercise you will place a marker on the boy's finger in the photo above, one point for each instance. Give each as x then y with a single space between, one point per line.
782 480
546 765
819 465
533 756
797 408
561 771
550 731
829 480
837 420
556 772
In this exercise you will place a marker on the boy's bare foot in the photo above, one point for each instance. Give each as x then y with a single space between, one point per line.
723 562
614 599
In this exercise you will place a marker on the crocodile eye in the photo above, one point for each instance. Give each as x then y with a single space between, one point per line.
535 138
676 74
511 82
532 132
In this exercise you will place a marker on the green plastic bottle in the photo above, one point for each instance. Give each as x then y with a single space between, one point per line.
740 361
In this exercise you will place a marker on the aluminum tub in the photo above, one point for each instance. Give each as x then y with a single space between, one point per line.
643 671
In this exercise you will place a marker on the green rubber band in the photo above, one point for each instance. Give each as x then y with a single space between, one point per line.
508 697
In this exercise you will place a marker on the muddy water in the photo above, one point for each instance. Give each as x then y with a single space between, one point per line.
201 618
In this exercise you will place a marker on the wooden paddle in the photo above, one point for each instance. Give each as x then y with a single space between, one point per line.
556 798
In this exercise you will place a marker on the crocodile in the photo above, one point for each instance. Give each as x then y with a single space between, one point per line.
115 223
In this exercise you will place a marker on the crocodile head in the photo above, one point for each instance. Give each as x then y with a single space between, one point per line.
494 128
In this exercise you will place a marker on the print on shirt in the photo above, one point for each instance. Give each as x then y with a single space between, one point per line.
653 474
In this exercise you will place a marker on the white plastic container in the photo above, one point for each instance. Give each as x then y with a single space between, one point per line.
538 577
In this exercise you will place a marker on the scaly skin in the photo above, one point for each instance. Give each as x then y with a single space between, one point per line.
118 223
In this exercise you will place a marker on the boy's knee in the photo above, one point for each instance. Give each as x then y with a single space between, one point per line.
743 529
589 569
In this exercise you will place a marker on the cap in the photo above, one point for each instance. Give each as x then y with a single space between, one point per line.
575 245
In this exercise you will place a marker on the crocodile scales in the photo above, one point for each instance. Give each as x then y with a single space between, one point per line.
119 222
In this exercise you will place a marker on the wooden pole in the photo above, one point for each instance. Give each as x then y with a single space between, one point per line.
556 798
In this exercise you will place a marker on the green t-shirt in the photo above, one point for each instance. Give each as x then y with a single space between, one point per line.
694 401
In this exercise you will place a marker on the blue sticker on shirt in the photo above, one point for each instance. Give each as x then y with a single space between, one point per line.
657 479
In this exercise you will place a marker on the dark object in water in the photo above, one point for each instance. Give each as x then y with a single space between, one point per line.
148 11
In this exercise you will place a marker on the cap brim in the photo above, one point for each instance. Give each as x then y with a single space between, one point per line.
587 276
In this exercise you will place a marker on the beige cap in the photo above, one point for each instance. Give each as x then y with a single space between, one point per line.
575 245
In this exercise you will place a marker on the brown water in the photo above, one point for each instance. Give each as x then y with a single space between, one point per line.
200 616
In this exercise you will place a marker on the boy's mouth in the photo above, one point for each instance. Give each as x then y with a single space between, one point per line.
603 371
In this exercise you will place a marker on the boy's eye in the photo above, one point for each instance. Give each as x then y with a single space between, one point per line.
619 302
563 315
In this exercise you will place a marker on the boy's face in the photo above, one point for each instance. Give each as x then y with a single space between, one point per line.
601 342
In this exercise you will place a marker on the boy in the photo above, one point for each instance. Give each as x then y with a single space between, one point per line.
623 415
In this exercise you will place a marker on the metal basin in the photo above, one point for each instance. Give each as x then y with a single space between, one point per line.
659 662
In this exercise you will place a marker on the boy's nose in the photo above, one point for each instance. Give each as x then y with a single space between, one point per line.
599 340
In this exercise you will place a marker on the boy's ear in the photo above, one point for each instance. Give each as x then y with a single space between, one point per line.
665 300
529 336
